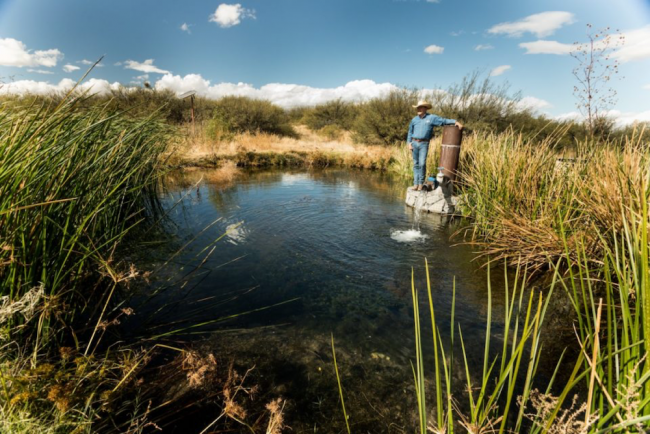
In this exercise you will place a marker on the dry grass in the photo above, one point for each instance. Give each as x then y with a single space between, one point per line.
311 149
529 209
570 420
276 416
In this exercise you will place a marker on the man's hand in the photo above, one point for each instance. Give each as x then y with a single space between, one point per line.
411 147
459 125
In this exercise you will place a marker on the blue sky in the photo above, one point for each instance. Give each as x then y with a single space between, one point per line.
264 48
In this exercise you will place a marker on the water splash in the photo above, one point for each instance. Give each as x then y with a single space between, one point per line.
236 233
414 234
409 236
417 211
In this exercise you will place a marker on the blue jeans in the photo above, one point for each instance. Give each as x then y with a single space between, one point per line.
420 151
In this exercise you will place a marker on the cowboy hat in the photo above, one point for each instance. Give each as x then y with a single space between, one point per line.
423 103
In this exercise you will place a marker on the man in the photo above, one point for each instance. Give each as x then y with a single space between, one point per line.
420 134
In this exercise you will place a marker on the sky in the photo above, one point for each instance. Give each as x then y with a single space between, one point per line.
303 52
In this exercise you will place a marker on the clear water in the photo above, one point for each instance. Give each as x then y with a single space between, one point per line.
342 246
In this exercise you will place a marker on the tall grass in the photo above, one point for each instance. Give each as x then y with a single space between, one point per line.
529 206
607 390
585 219
612 304
75 181
506 379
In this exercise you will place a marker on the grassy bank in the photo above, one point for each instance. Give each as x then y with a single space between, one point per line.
582 219
605 388
74 185
309 149
531 204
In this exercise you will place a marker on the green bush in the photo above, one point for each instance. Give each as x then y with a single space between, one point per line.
236 114
331 132
296 114
336 113
385 120
141 102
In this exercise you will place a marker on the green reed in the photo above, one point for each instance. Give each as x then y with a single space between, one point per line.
612 305
524 197
505 379
76 179
586 219
73 184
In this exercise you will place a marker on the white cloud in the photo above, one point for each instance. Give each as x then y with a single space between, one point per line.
499 70
621 119
480 47
542 24
647 86
22 87
434 49
15 53
458 33
533 103
140 79
70 68
636 47
231 15
284 95
547 47
433 1
569 116
146 66
186 28
39 71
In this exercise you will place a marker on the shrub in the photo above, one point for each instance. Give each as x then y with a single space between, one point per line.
385 120
141 103
235 114
335 113
331 132
296 114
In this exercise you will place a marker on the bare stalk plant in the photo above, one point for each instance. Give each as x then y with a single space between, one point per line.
597 66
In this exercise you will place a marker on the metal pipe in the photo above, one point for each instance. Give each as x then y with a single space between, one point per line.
452 137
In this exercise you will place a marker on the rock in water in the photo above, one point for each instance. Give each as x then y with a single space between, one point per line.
440 200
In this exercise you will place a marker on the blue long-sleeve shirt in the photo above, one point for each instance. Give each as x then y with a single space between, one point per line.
422 128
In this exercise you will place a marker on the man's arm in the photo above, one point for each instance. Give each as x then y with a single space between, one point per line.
409 138
440 121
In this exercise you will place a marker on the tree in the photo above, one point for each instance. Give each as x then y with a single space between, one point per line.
596 68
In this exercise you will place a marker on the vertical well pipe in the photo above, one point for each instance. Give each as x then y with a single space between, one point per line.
452 137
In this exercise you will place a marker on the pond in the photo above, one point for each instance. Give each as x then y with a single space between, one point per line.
304 255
